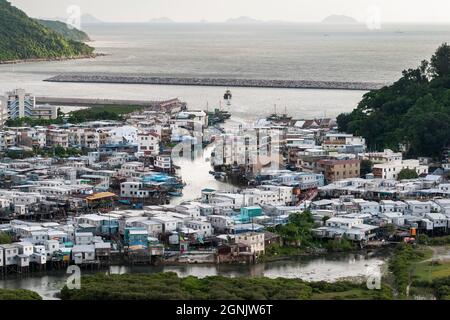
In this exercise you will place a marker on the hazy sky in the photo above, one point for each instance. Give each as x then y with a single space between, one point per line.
219 10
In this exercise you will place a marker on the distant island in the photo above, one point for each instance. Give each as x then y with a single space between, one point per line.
23 38
161 20
89 19
243 20
339 19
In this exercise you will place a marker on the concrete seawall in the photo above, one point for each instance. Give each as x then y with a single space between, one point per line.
215 82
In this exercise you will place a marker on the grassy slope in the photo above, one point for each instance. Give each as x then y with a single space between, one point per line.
64 30
19 294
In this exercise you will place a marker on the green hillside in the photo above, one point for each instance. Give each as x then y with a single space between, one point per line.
412 115
24 38
64 30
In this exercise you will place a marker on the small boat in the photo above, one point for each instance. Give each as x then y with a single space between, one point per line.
175 194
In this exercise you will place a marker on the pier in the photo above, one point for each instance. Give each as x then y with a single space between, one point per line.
215 82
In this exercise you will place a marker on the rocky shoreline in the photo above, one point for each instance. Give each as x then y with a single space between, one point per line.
88 56
216 82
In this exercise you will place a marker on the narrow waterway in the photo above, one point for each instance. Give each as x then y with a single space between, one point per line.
195 173
330 268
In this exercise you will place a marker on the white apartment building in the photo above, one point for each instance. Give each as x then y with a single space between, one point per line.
84 138
220 223
198 116
203 228
20 104
10 254
148 143
267 194
387 156
132 169
133 189
390 170
25 248
58 137
118 159
84 238
418 208
337 141
169 223
154 228
252 149
163 163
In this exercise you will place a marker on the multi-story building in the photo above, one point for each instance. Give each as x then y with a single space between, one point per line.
20 104
343 142
163 162
192 116
390 170
84 138
203 228
8 139
44 112
255 241
132 169
33 137
148 143
133 189
251 149
387 156
335 170
58 137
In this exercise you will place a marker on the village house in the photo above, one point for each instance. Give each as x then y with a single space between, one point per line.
82 254
203 228
148 143
253 240
352 228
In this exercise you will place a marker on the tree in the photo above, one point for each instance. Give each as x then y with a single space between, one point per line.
388 230
298 230
406 174
366 167
440 61
413 112
5 238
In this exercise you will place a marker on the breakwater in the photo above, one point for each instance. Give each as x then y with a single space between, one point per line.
215 82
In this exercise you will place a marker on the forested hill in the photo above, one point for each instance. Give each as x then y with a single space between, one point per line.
412 115
24 38
64 30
